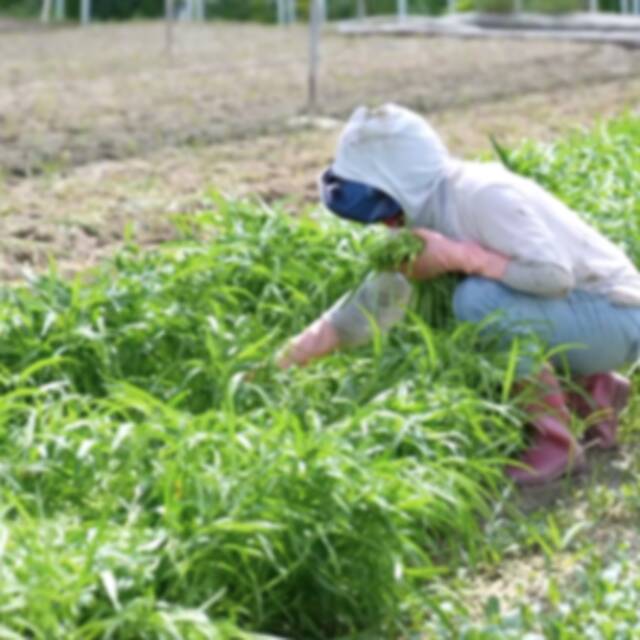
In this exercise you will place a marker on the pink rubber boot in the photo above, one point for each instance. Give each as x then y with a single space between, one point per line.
607 394
554 450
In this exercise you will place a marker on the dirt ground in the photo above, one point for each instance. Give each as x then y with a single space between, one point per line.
100 129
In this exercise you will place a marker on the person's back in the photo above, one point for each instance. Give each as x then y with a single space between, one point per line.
494 206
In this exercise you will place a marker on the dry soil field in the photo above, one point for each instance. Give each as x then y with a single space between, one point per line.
100 129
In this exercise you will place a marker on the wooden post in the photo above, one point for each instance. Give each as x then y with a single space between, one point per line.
402 9
168 17
315 23
85 12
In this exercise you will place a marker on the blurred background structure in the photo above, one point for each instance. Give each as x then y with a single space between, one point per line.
287 11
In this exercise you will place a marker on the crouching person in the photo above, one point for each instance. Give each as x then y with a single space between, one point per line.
528 258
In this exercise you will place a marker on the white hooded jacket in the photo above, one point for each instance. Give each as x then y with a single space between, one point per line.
551 250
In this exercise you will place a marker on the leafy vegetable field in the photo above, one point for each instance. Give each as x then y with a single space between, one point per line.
159 478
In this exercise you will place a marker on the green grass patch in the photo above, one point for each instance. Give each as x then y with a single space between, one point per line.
150 488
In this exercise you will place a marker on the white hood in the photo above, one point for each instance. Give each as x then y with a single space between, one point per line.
394 150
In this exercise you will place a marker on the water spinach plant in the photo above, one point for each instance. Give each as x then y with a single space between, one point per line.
388 251
148 489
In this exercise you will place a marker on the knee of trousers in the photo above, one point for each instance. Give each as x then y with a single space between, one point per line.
475 298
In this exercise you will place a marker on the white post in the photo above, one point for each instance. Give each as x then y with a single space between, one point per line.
315 23
402 9
60 12
85 12
45 13
286 11
168 34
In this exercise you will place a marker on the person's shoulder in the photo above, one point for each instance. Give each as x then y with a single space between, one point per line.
487 184
477 176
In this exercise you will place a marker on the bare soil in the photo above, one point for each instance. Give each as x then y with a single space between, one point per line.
100 128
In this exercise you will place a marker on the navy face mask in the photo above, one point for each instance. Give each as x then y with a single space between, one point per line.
355 200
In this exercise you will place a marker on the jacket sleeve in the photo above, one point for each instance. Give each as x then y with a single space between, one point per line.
382 298
505 222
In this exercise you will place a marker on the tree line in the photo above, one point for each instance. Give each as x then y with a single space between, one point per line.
265 10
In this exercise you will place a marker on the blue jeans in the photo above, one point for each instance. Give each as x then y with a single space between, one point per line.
606 336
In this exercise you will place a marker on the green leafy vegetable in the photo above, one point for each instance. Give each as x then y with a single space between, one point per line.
150 489
388 251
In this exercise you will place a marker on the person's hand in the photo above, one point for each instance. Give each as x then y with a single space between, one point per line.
442 255
315 341
285 357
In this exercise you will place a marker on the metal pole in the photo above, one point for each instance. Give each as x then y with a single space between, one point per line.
281 11
61 10
636 6
293 12
168 34
518 6
451 6
45 13
85 12
288 9
402 9
361 10
593 5
315 23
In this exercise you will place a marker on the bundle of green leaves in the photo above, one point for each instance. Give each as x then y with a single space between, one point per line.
390 250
